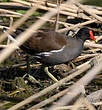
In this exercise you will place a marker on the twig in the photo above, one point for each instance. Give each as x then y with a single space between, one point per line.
53 21
49 100
77 25
83 57
50 88
10 3
10 12
98 103
88 104
93 45
88 11
74 91
23 2
8 15
95 97
99 38
57 16
13 6
18 23
5 46
13 66
92 50
78 104
68 13
70 8
1 27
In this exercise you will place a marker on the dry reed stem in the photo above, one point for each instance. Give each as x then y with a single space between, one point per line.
67 11
53 21
8 15
77 25
57 15
98 103
4 46
18 23
26 34
10 3
95 97
78 103
53 98
49 100
93 50
99 38
23 2
64 108
74 91
1 27
88 11
49 8
88 104
72 9
93 45
83 57
80 70
10 12
54 6
48 89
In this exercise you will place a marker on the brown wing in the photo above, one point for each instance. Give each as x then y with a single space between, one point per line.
45 41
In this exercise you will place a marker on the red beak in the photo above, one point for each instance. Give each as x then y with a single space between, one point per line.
91 35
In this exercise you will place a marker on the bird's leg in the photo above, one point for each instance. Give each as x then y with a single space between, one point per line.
28 64
30 77
72 64
49 74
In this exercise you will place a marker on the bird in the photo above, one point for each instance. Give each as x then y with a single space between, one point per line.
53 48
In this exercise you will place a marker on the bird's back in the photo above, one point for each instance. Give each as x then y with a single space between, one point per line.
44 42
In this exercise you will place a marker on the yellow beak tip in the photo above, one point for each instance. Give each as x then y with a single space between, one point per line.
96 41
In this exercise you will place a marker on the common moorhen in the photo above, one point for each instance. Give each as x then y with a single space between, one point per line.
52 48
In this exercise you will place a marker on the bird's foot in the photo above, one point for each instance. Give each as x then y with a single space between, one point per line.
49 74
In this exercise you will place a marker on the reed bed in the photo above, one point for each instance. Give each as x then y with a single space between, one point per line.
88 66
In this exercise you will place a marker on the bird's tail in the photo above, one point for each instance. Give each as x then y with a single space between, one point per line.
9 36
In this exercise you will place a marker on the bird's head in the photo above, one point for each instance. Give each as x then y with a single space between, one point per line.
86 34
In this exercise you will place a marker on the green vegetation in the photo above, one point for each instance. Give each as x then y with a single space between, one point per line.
21 11
5 0
93 2
36 13
9 105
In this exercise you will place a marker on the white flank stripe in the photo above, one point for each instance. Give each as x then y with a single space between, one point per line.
45 53
58 50
51 52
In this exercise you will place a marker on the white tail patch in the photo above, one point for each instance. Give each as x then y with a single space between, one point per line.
10 37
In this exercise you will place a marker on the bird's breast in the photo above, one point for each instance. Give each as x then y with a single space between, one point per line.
60 56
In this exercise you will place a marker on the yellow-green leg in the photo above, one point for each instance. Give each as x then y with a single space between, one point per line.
73 66
49 74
